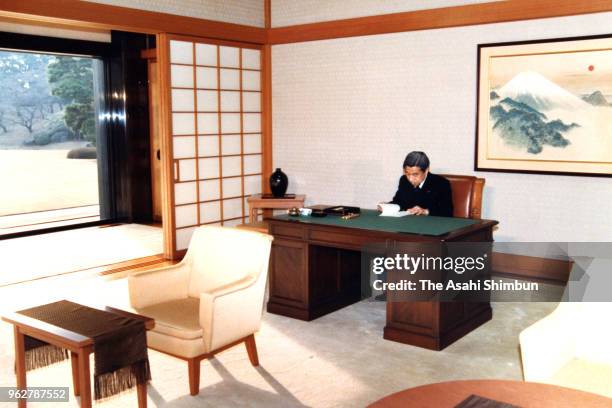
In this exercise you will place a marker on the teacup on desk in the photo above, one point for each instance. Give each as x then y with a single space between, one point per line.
305 211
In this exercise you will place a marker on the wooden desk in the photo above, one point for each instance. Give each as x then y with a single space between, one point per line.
522 394
315 269
80 348
256 202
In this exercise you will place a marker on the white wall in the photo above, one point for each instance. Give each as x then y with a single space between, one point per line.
346 112
247 12
291 12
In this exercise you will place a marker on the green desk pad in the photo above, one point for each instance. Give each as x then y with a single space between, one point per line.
370 220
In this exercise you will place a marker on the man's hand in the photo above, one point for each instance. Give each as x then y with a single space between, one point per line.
416 210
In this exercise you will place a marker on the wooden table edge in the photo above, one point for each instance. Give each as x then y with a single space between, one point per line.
32 326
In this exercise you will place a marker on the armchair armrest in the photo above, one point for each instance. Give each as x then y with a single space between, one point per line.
231 312
547 345
157 286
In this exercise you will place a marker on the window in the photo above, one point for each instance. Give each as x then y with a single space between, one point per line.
50 130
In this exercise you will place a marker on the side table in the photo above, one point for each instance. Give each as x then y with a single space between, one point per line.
256 202
80 348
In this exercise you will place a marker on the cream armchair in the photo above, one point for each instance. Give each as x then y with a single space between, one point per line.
571 347
211 300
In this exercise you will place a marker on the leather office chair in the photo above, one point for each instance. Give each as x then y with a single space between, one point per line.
210 301
467 195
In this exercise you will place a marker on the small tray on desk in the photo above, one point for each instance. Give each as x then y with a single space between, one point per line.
342 210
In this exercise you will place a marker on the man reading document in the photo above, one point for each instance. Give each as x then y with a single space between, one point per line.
421 192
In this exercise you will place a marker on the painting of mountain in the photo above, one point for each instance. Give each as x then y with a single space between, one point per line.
520 125
596 99
544 106
518 118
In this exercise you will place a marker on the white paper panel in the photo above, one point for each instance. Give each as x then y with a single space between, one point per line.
185 193
208 101
229 57
233 223
209 190
231 166
230 144
183 147
246 207
230 79
232 187
187 169
232 208
182 100
208 123
181 52
250 80
181 76
206 54
209 168
230 123
230 101
252 185
251 122
208 146
183 124
251 101
206 77
183 237
252 143
252 164
210 212
251 58
186 215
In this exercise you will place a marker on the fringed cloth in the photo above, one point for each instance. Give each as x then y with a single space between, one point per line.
120 345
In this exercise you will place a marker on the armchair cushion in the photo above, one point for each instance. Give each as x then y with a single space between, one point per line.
176 318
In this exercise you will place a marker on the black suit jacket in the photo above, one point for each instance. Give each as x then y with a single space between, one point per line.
436 195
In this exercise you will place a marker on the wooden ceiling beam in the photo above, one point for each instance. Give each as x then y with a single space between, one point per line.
86 15
472 14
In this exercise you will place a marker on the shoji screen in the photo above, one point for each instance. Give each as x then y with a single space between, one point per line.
215 124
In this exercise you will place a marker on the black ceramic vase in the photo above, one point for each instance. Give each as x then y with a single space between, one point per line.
278 183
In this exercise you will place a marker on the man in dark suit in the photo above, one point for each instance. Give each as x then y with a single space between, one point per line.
421 192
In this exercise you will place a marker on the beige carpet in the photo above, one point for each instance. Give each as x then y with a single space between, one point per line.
339 360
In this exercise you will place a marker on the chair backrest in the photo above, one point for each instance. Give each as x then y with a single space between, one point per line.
588 325
222 255
467 195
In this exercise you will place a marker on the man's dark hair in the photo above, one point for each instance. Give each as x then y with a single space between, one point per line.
418 159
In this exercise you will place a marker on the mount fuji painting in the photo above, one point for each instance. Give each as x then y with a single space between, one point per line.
517 112
543 109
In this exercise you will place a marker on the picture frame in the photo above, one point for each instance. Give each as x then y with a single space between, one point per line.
545 107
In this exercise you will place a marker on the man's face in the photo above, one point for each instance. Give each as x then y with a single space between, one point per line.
415 175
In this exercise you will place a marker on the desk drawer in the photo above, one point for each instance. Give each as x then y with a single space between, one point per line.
286 230
340 239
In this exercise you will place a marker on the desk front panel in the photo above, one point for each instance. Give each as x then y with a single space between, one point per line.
316 269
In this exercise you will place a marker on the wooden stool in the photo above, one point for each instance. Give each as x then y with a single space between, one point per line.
256 201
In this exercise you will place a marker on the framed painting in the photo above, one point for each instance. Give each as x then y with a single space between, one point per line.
545 107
